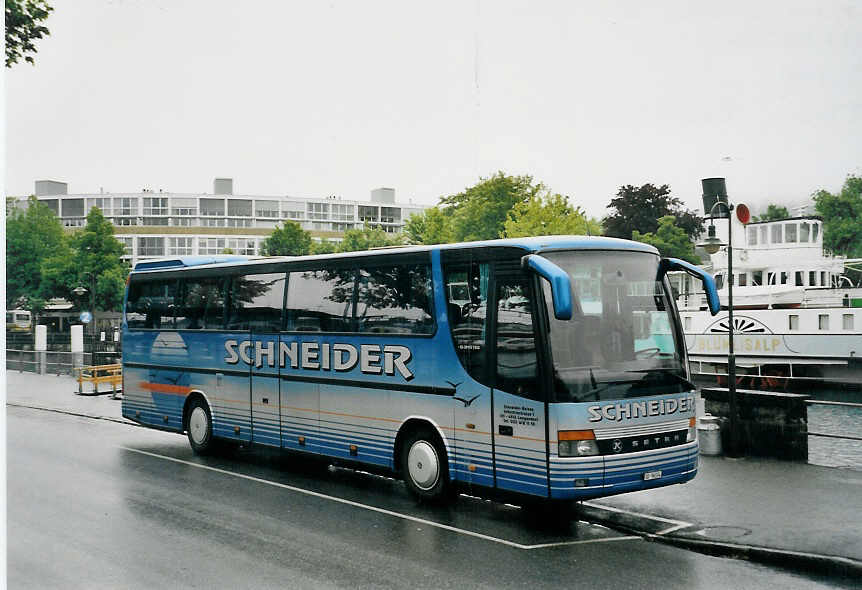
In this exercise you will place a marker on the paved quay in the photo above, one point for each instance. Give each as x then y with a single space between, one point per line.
793 515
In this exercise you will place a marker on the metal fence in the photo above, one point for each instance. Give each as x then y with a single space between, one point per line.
58 359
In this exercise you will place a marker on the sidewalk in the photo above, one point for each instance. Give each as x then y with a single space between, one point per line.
790 514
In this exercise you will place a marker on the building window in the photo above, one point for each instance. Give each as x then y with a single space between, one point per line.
757 278
390 215
793 321
239 208
292 214
187 211
237 222
266 209
752 236
770 278
804 231
763 234
790 233
212 222
823 321
155 206
812 278
103 203
211 246
318 210
743 279
180 246
53 205
128 245
815 227
823 282
367 213
155 221
776 233
687 321
125 221
183 221
798 278
127 206
847 321
784 278
212 207
244 246
342 212
151 246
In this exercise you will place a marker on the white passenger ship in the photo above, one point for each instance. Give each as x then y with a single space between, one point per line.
797 316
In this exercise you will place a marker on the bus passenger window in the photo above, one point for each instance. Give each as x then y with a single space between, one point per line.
395 299
202 305
467 316
151 304
517 368
321 300
256 302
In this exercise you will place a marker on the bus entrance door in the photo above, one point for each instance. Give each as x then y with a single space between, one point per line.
265 398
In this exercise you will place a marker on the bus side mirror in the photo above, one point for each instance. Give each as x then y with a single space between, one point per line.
561 284
668 264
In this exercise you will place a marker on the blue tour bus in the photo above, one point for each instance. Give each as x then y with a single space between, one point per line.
553 367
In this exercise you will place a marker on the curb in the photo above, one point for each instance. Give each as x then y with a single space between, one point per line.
72 413
796 561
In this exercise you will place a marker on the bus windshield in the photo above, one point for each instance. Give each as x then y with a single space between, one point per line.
621 341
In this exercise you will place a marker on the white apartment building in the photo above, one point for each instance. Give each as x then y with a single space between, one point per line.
152 224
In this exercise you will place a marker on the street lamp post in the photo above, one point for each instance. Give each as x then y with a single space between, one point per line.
80 291
715 196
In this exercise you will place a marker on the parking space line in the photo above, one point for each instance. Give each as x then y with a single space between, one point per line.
392 513
676 524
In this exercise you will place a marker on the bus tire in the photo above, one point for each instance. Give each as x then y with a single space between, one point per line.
200 427
424 466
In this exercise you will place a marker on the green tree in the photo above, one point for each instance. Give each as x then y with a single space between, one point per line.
33 234
670 239
841 212
772 213
549 215
432 226
23 26
288 240
323 247
479 212
94 260
640 208
364 239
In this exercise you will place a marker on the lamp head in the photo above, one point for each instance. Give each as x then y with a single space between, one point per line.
79 291
711 244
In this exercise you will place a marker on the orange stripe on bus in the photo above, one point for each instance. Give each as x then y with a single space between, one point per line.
165 388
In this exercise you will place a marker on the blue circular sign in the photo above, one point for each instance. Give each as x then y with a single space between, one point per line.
86 317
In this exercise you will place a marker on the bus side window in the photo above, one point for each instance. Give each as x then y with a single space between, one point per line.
517 367
467 315
256 302
202 304
321 300
395 299
152 304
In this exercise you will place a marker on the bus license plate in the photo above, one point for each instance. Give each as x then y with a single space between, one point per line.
652 475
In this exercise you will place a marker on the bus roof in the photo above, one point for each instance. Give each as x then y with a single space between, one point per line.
530 245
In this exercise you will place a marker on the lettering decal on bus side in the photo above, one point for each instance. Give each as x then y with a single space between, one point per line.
371 358
658 407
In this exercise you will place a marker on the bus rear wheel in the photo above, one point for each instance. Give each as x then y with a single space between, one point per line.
200 427
424 467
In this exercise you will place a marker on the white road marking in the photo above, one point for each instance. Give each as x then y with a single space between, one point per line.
677 524
401 515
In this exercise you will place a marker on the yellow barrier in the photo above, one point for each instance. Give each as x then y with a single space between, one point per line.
97 374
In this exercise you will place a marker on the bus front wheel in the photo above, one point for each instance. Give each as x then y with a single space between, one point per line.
200 427
424 466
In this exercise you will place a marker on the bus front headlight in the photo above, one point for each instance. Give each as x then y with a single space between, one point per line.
576 443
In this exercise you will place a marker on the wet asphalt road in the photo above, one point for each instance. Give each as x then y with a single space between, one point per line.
96 504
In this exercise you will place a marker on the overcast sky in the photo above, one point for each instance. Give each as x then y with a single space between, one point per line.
339 97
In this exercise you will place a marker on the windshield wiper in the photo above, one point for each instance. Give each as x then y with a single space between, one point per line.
665 371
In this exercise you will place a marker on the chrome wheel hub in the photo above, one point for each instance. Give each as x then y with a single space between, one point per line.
423 465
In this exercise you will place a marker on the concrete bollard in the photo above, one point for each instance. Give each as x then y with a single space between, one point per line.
41 347
77 346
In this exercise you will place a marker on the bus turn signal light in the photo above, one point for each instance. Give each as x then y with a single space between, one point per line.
576 435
